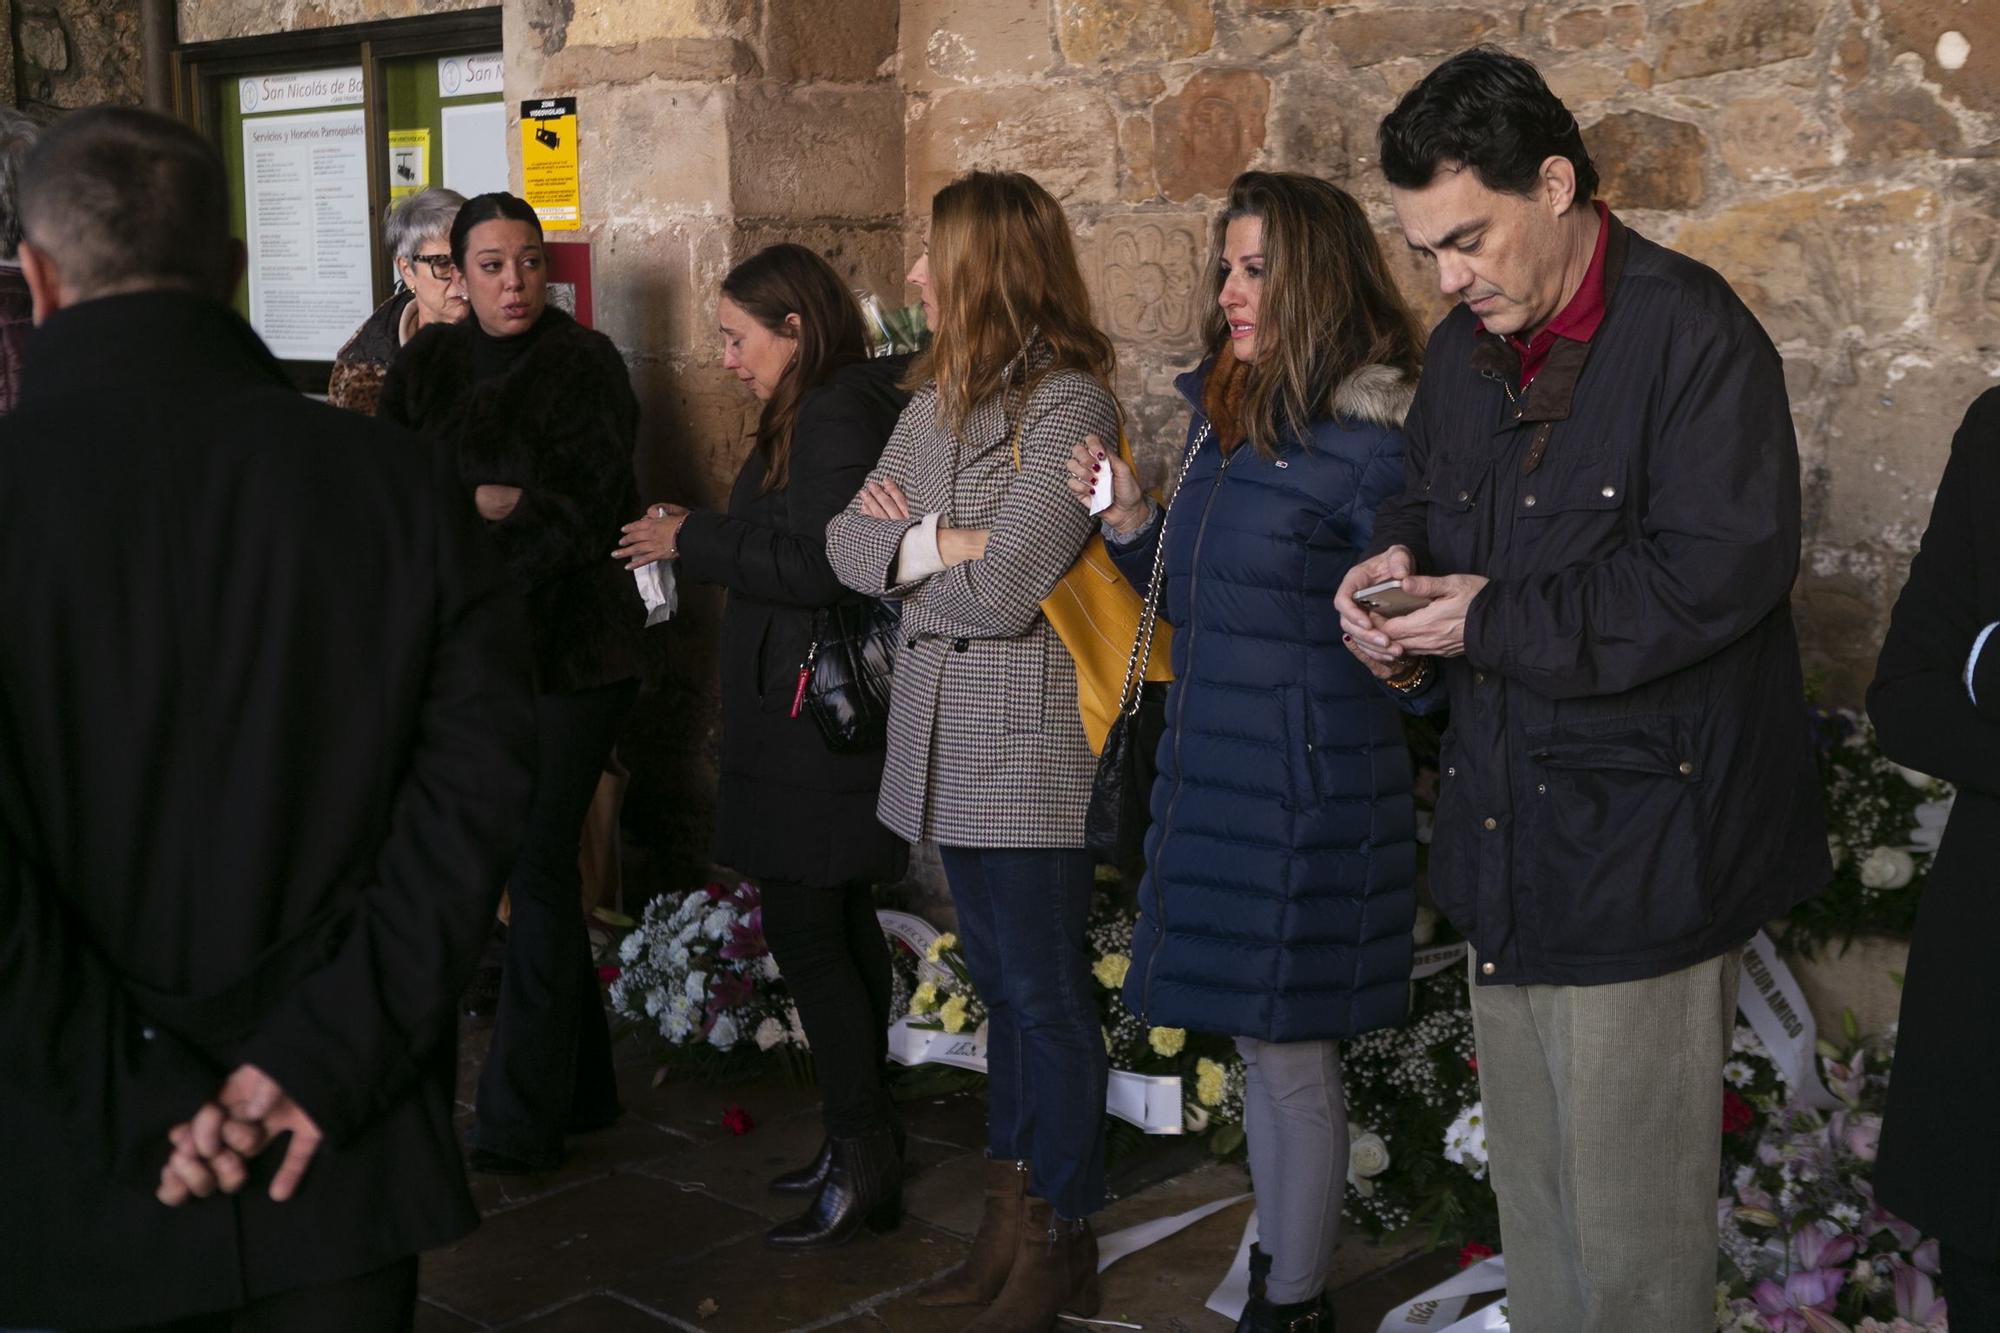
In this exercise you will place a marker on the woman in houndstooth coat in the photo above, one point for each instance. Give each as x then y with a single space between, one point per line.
968 521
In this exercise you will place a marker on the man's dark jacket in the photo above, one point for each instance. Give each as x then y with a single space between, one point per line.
1947 1074
789 809
1628 782
264 734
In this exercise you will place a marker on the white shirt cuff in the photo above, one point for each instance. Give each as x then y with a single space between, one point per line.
1972 662
918 556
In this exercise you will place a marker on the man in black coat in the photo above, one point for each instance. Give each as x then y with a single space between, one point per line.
263 728
1936 708
1602 505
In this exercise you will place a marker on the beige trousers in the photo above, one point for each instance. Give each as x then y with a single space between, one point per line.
1603 1109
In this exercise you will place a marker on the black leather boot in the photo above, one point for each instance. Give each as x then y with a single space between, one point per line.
863 1187
808 1178
1313 1316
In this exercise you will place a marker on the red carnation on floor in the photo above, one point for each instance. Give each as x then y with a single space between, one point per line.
737 1120
1473 1253
1736 1113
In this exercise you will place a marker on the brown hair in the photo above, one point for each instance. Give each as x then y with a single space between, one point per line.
1004 270
782 280
1329 305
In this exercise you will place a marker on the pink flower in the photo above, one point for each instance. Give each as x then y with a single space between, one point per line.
729 992
1863 1135
1925 1257
1916 1295
1817 1245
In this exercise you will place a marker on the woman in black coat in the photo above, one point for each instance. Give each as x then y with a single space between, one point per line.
1936 708
795 816
540 413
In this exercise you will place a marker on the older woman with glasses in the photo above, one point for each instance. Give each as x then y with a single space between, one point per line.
418 234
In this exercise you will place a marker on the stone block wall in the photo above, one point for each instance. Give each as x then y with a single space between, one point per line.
65 54
1834 159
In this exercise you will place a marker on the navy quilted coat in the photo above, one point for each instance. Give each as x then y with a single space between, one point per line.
1281 864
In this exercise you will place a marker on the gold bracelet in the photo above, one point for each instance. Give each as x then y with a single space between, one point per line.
1408 682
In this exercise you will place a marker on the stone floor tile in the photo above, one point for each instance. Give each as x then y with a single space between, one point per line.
958 1119
689 1106
593 1314
951 1194
627 1145
758 1290
434 1319
578 1240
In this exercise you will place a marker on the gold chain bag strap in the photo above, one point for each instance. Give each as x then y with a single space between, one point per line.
1114 826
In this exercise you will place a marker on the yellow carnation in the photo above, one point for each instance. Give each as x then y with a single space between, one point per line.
1208 1082
1111 969
924 998
939 945
952 1015
1167 1041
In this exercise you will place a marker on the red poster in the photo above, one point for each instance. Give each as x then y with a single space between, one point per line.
569 277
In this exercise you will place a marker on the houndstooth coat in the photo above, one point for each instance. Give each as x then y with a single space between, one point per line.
985 745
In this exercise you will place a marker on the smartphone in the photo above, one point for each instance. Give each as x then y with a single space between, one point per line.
1388 599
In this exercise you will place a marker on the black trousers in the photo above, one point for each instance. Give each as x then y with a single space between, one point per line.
384 1301
830 949
549 1067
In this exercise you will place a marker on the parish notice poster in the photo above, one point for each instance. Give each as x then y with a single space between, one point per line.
305 197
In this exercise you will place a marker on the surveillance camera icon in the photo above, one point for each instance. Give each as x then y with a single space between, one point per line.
545 135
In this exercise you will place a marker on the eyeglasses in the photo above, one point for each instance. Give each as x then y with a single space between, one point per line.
441 266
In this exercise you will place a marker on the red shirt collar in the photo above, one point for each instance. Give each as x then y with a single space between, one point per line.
1576 321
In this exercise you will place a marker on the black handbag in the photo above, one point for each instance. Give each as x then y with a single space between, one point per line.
1114 825
844 681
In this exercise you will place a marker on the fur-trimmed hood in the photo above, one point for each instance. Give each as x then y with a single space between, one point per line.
1376 395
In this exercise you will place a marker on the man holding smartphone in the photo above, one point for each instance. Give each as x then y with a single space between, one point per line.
1601 512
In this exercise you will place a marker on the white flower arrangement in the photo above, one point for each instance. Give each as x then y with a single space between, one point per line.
696 970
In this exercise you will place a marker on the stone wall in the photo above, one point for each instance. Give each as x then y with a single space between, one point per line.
1834 160
73 53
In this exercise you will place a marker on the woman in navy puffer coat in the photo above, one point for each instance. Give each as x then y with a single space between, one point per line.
1281 863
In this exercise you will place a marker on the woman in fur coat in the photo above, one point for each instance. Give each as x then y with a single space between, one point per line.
540 413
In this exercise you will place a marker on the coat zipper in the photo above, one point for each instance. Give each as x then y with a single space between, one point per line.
1180 714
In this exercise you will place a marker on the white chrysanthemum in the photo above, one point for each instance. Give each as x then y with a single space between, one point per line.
1465 1140
630 948
767 968
724 1034
716 925
678 958
1738 1074
770 1033
696 985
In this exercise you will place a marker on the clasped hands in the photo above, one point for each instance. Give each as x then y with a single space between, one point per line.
1383 644
210 1149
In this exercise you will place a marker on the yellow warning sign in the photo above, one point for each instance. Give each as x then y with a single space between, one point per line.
409 162
548 162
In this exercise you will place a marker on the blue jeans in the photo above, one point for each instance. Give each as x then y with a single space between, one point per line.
1022 914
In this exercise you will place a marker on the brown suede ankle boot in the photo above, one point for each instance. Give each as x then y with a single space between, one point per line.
1055 1270
979 1279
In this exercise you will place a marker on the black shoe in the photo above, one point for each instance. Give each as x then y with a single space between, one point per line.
1313 1316
493 1162
863 1187
808 1178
